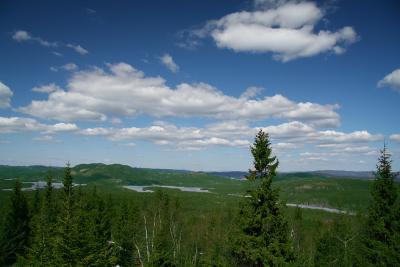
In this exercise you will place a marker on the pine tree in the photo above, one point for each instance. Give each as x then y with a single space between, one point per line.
263 239
36 202
16 231
382 230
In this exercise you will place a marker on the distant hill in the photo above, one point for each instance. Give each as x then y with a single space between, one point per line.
230 174
363 175
322 188
351 174
100 173
132 175
114 177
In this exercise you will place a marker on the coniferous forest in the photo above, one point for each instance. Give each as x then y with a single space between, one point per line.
86 226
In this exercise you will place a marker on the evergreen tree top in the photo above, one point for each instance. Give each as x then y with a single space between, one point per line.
384 166
384 190
265 164
68 181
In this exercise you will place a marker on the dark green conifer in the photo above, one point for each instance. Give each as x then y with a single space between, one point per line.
42 248
263 239
382 230
16 231
67 248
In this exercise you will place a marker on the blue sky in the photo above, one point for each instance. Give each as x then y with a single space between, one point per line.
186 85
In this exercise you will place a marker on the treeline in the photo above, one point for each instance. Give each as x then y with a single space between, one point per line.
78 226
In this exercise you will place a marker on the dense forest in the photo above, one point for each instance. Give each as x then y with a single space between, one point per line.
88 226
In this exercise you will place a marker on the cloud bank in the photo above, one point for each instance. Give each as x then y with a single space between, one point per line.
121 90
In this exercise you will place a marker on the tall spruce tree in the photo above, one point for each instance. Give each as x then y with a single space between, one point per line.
16 231
382 230
263 239
67 231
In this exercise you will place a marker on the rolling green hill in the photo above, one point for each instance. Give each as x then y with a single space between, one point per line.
299 188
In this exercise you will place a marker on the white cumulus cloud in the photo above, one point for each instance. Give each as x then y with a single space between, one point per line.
285 29
5 95
298 132
391 80
49 88
169 62
20 124
286 136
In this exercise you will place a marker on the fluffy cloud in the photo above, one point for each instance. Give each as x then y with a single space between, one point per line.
24 36
49 88
286 136
21 36
61 127
96 94
182 138
5 95
18 124
251 92
342 150
299 132
395 137
391 80
286 29
169 62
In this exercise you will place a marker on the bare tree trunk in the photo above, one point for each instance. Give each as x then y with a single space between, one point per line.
140 257
154 227
147 239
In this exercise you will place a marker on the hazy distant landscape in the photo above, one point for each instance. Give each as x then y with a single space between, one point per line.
302 188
